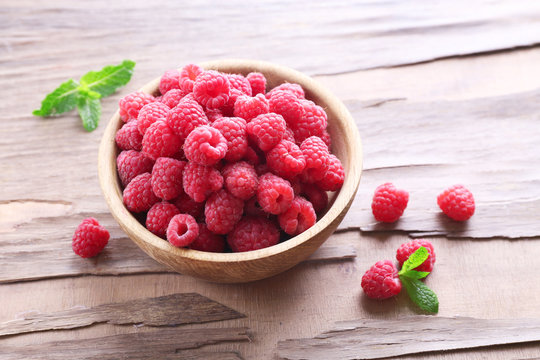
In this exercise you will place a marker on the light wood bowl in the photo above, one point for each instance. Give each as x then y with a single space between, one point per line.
263 263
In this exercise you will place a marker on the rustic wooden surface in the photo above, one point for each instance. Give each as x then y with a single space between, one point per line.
49 180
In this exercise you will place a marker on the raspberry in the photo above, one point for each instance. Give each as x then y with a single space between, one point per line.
212 89
169 80
274 194
200 181
252 233
287 105
289 135
167 178
406 249
286 159
185 117
254 155
128 137
317 159
262 169
138 195
159 216
252 208
315 195
160 141
173 98
187 205
240 83
222 211
205 146
257 81
213 114
294 89
250 107
188 74
208 241
297 185
233 130
325 136
457 202
334 177
312 123
240 179
389 203
132 103
267 130
299 217
381 281
149 114
131 163
182 230
89 238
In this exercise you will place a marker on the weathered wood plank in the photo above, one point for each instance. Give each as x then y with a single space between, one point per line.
375 339
333 253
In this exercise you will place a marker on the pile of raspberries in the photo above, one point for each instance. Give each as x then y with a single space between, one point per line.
214 162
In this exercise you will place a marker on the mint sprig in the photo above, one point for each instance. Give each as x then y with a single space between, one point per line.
85 95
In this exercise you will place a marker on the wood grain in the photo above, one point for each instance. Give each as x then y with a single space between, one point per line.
376 339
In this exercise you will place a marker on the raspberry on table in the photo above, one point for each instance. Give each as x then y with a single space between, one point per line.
128 137
457 202
253 233
149 114
313 121
200 181
208 241
249 108
159 216
267 130
257 81
89 238
315 195
240 179
274 194
167 178
188 74
287 105
169 80
131 104
182 230
138 195
185 117
131 163
408 248
240 83
294 89
317 159
334 177
381 281
389 203
205 145
234 130
222 211
212 89
187 205
286 159
159 140
299 217
173 98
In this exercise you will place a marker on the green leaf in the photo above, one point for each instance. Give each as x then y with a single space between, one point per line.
415 259
89 108
420 294
62 99
413 274
109 79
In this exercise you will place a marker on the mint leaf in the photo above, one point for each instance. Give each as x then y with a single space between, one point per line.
413 274
89 109
62 99
420 294
415 259
109 79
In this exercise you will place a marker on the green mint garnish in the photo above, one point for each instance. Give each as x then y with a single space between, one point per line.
85 96
413 274
415 259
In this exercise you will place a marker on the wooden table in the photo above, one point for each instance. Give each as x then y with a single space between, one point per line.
442 93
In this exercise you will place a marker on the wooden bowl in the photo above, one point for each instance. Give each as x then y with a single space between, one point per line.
263 263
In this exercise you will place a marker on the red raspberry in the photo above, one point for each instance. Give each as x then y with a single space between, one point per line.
406 249
294 89
222 211
234 131
299 217
212 89
89 238
325 136
287 105
182 230
185 117
200 181
286 159
188 74
149 114
315 195
160 141
240 83
240 179
132 103
289 135
213 114
252 208
274 194
138 195
253 233
187 205
312 123
267 130
208 241
250 107
128 137
389 203
297 185
159 216
457 202
167 178
381 281
131 163
169 80
317 159
173 98
257 82
205 146
334 177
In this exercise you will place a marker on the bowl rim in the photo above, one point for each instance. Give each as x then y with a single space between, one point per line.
110 184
